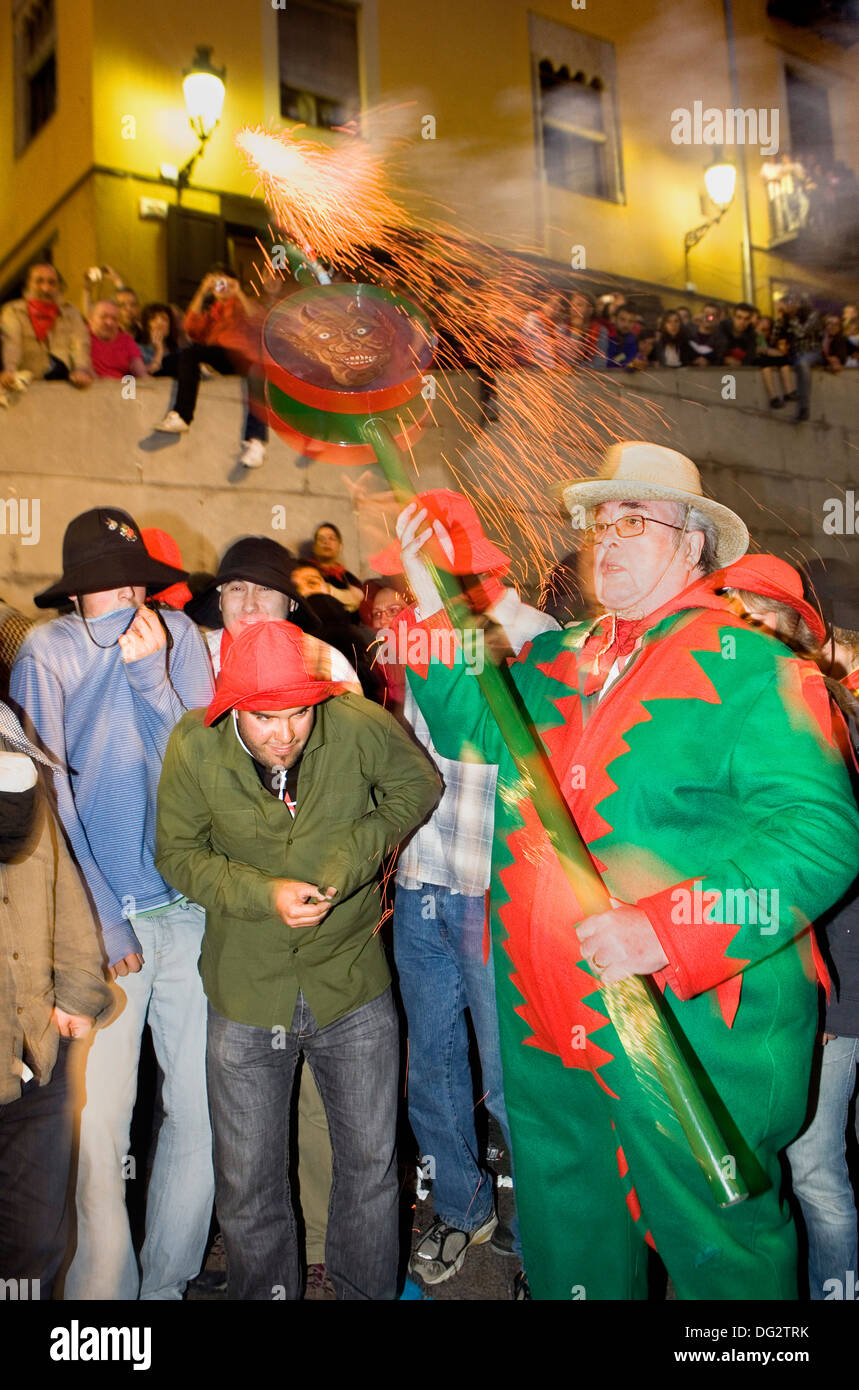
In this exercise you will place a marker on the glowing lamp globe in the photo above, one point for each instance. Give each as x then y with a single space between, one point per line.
720 180
203 86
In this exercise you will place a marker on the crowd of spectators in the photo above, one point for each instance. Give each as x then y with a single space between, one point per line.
45 337
574 330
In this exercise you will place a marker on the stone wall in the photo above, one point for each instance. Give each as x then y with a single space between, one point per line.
71 450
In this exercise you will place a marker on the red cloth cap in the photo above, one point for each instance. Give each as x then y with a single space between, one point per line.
161 546
773 578
273 666
472 552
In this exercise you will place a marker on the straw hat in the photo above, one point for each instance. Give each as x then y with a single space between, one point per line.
637 471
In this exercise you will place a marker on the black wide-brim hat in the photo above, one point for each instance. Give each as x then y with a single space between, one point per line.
259 560
103 549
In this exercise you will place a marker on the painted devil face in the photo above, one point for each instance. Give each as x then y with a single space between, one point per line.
354 341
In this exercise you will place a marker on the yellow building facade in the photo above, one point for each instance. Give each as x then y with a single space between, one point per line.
581 165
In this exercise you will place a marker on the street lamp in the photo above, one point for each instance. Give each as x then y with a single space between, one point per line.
204 89
720 180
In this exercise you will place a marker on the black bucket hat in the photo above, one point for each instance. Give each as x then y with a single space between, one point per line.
259 560
103 549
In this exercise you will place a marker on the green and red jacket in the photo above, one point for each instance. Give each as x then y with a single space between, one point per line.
708 789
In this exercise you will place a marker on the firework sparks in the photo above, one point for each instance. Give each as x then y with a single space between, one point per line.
340 205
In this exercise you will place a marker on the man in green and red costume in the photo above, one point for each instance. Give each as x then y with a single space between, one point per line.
696 758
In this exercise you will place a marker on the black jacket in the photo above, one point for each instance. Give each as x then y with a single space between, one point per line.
838 935
725 341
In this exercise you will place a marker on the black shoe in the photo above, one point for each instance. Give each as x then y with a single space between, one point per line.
521 1291
209 1281
501 1240
790 396
776 403
802 414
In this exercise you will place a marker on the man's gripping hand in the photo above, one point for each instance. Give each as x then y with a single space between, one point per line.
620 943
302 904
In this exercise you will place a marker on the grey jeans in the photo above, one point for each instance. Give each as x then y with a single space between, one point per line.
251 1072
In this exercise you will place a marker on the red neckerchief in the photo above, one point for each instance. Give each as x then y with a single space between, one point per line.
43 315
614 638
332 570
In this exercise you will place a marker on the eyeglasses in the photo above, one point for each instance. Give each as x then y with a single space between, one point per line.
393 609
626 526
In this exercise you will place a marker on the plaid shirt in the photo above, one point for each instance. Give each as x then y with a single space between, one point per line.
14 737
454 849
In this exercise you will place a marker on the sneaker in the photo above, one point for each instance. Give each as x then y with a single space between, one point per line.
253 453
441 1252
776 403
521 1291
173 424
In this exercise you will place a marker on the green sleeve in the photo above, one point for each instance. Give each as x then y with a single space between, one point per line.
450 699
800 854
406 788
183 849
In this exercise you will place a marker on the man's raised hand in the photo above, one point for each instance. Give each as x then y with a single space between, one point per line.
302 904
413 536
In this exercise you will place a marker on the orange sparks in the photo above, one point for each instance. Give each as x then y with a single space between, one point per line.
340 205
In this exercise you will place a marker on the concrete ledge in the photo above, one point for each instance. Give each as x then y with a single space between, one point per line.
70 450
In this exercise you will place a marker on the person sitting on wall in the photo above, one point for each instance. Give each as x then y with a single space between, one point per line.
735 340
159 340
114 353
43 336
220 323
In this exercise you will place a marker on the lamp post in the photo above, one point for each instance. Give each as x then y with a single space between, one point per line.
720 179
204 90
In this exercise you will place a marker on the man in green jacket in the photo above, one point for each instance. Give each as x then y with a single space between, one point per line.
277 819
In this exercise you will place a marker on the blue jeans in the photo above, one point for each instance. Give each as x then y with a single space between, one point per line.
438 947
802 367
168 992
355 1063
821 1180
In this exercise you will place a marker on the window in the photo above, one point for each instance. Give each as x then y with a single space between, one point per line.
808 114
575 110
318 55
35 34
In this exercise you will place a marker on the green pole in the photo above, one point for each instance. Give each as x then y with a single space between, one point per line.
632 1005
